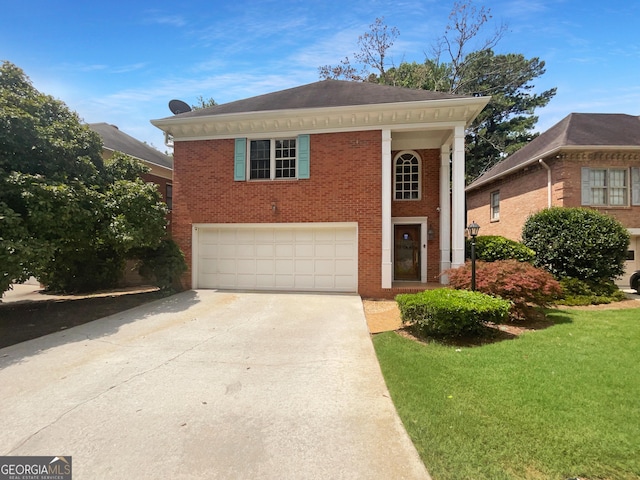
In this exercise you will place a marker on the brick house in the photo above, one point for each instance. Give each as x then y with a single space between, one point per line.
585 160
161 165
331 186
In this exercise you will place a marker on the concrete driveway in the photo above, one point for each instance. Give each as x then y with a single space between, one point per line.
209 384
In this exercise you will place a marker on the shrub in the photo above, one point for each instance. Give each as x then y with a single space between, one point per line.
519 282
578 243
163 265
578 292
445 312
491 248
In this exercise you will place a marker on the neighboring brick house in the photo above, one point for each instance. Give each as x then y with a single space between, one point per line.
331 186
585 160
161 165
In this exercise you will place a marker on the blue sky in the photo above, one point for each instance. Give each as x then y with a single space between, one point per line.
121 62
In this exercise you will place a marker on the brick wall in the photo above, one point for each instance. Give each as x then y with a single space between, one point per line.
344 186
521 195
525 192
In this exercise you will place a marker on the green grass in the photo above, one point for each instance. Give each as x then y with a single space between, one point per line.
552 404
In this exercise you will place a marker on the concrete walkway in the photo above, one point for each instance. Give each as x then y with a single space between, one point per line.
207 385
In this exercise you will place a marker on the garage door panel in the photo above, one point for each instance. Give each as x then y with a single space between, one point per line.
227 266
284 266
285 257
284 281
304 250
226 250
345 251
284 250
264 251
264 236
343 267
246 266
303 236
304 266
324 250
265 266
245 251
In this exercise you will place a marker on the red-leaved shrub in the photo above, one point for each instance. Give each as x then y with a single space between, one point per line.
519 282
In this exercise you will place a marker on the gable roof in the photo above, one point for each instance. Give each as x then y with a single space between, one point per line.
575 131
116 140
325 93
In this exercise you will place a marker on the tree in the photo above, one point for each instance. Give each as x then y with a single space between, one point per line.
507 123
66 217
202 103
577 243
374 46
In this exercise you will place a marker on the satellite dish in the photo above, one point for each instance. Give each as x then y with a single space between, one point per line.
178 106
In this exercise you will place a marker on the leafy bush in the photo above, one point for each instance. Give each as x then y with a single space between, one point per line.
445 312
163 265
490 248
578 292
519 282
578 243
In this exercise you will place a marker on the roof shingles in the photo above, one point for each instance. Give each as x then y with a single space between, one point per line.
325 93
575 130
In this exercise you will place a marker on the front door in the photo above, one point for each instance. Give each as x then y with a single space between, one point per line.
406 258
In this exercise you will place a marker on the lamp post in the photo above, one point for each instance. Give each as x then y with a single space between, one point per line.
473 229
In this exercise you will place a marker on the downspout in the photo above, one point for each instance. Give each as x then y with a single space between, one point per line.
541 162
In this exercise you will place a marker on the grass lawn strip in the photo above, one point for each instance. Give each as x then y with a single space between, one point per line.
556 403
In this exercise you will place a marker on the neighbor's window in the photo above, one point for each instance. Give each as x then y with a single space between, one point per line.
407 176
269 159
605 187
495 205
168 197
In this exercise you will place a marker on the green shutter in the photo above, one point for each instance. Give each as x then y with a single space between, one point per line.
303 156
586 186
635 186
240 160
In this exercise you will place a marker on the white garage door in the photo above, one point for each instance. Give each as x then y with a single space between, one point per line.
303 257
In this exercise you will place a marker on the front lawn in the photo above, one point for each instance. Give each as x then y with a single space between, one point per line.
558 403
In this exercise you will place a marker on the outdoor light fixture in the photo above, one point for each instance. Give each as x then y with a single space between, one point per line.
473 229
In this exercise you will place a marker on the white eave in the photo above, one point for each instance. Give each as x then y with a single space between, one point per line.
424 114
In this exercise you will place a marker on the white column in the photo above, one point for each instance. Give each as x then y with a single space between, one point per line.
445 211
387 266
458 204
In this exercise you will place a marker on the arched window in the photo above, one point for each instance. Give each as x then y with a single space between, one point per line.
407 178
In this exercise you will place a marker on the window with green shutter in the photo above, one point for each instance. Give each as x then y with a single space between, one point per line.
272 159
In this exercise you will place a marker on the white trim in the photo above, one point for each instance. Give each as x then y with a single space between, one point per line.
445 212
386 230
424 114
458 200
423 222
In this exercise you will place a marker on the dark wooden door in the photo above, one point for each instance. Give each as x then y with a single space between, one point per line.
406 258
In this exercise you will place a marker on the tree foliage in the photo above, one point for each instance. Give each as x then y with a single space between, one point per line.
578 243
462 64
202 103
374 46
490 248
66 216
